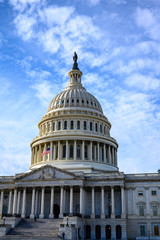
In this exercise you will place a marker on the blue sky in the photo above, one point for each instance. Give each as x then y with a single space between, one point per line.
118 45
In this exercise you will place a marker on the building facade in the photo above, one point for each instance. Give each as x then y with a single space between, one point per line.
74 175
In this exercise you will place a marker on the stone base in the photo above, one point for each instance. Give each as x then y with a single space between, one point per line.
103 216
41 216
51 215
112 215
92 215
32 216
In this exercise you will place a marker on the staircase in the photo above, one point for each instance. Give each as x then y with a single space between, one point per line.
42 229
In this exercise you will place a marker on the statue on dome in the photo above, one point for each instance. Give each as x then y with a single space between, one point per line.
75 64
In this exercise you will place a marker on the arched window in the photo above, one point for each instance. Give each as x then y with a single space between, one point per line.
64 151
72 124
71 151
78 124
65 125
108 232
85 151
59 125
88 232
118 232
78 151
96 127
85 125
98 232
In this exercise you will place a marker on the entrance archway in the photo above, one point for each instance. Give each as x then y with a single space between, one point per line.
108 232
98 232
88 232
56 210
118 232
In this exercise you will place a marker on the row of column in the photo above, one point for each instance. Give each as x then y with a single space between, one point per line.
51 126
34 203
108 153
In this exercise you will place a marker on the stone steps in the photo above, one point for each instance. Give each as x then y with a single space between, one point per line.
42 229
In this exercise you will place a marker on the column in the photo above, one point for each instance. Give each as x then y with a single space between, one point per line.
14 201
39 153
147 201
104 152
95 158
67 150
51 215
113 155
123 215
75 150
81 200
54 151
24 204
98 152
112 201
42 203
36 203
10 202
33 204
1 203
109 154
71 201
61 203
91 150
59 150
44 156
35 156
102 202
93 204
32 156
82 150
18 202
51 151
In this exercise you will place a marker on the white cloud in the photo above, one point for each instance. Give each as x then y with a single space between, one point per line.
143 82
93 2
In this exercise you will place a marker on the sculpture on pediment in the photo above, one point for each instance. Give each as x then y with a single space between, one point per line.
47 173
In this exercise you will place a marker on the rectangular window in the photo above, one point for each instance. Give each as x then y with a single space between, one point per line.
90 126
100 128
59 125
72 124
85 125
141 210
155 210
78 124
65 125
96 127
142 230
156 230
140 193
154 193
53 126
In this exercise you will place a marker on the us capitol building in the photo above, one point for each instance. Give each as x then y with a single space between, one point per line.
74 177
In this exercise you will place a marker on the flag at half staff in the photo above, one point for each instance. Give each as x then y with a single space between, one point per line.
46 151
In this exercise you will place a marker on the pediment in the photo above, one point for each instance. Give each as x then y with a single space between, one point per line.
46 172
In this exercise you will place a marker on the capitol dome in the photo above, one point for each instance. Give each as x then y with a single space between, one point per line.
75 132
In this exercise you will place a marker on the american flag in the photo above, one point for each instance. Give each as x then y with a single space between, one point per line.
46 151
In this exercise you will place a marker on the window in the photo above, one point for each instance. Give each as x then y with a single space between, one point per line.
156 230
53 126
142 230
87 102
90 126
72 124
100 128
85 125
71 151
62 101
64 151
154 193
65 125
78 124
141 210
82 101
140 193
59 125
72 100
77 100
78 151
155 210
85 151
67 100
96 127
